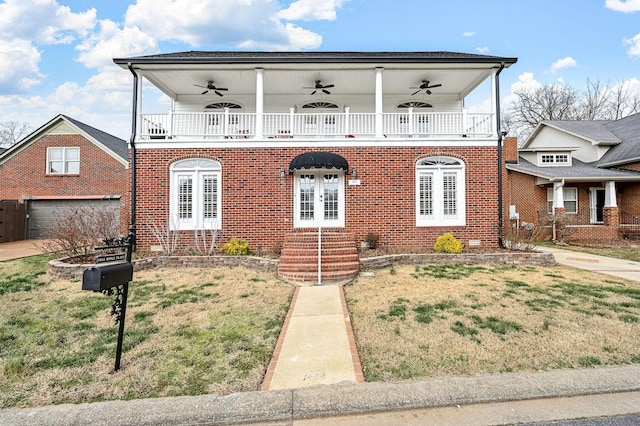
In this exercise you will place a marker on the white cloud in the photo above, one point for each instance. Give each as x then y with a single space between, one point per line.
468 34
483 49
19 61
311 10
237 23
634 49
563 63
626 6
43 21
110 42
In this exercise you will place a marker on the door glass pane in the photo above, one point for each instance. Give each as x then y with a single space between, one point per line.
330 185
185 197
426 194
449 191
209 197
307 191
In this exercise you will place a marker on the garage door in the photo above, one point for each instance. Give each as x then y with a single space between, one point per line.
43 213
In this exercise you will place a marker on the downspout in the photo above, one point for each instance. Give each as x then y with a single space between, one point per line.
500 136
132 143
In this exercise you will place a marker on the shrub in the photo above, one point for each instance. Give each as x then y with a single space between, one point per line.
235 247
373 240
447 243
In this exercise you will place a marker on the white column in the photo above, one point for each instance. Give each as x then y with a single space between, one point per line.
558 196
610 194
259 103
379 104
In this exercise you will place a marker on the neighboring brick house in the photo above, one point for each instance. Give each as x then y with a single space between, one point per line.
62 164
585 172
271 146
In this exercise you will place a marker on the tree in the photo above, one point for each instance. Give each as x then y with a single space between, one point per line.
11 132
561 102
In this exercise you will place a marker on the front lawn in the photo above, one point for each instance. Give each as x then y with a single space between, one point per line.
413 322
188 332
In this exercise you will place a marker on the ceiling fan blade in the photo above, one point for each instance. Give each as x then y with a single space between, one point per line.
435 85
314 92
217 92
204 93
328 86
428 92
326 91
223 89
417 91
204 87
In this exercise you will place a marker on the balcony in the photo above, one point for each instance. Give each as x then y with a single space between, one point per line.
232 125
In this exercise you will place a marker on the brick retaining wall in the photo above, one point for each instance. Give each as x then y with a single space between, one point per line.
60 269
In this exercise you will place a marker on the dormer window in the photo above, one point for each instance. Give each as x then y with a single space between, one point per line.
552 159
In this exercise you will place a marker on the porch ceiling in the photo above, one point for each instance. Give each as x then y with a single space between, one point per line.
347 80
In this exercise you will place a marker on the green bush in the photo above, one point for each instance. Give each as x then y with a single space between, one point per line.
447 243
235 247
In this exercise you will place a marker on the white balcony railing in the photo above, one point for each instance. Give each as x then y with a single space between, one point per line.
231 125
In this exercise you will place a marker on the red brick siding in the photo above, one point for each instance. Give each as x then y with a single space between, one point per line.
257 204
24 174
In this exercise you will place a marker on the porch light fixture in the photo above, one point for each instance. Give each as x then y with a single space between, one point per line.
282 174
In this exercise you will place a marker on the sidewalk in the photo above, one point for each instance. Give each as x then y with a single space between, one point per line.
23 248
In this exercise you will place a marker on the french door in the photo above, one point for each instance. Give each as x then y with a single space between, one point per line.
319 199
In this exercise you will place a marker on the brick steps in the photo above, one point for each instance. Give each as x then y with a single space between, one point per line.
299 257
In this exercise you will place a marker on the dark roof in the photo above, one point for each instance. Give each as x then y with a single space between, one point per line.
238 57
595 130
628 130
117 145
578 171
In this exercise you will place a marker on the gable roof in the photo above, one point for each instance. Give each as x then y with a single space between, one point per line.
579 171
594 131
114 146
628 151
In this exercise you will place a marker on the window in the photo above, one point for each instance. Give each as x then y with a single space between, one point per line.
557 159
195 194
63 161
570 196
440 192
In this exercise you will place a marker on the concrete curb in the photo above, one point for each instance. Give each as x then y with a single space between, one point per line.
333 400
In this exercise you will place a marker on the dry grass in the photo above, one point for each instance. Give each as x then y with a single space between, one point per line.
188 331
437 321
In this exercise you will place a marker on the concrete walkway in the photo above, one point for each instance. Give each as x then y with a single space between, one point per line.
316 345
620 268
24 248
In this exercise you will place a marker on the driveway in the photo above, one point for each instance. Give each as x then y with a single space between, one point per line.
24 248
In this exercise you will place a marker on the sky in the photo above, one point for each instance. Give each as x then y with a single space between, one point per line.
56 55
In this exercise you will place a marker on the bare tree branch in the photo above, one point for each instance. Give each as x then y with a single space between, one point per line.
11 132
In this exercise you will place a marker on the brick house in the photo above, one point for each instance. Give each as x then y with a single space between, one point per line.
63 164
280 147
585 172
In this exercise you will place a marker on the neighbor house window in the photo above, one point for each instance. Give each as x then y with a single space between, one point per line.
554 159
440 192
195 194
63 161
570 196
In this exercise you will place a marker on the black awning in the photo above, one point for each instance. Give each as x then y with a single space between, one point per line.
318 160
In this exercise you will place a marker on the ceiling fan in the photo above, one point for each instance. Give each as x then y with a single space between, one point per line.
320 86
211 86
424 86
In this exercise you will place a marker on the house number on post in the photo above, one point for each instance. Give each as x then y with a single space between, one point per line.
111 276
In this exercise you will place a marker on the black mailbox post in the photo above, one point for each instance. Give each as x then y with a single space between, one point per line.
113 279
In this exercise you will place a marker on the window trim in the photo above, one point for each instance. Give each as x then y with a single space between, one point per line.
65 162
438 167
197 169
553 159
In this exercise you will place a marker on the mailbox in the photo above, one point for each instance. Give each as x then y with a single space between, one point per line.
104 277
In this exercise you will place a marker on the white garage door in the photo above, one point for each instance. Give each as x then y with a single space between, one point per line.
43 213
